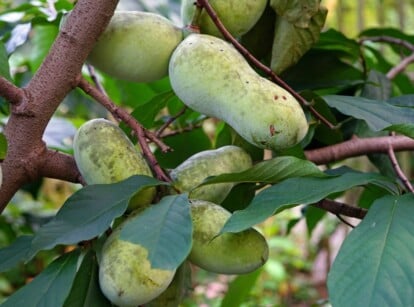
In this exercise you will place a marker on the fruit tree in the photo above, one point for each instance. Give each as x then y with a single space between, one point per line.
174 135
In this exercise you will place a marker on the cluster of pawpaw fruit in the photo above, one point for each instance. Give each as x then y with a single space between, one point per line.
210 76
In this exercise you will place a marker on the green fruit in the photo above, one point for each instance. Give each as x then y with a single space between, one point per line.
210 76
177 289
238 16
104 154
194 170
228 253
136 46
126 277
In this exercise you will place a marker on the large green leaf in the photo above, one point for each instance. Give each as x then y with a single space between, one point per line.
402 101
272 171
89 212
375 266
303 190
379 115
43 38
85 288
164 229
297 12
49 288
4 63
15 253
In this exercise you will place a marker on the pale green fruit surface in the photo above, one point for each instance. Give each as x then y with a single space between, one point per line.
229 253
238 16
104 154
136 46
192 172
210 76
176 291
126 277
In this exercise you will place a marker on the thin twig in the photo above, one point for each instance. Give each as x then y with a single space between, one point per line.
344 221
182 130
95 79
209 9
358 147
130 121
388 39
393 72
170 121
397 168
339 208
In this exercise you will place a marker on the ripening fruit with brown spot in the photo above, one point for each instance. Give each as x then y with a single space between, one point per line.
210 76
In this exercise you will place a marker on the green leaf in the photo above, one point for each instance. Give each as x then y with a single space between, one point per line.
4 63
49 288
379 115
291 42
298 12
147 112
240 288
85 290
378 86
15 253
303 190
313 216
271 171
164 229
3 146
89 212
374 265
43 38
402 101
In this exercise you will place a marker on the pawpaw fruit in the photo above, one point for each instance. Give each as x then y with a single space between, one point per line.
136 46
104 154
238 16
210 76
189 174
227 253
126 276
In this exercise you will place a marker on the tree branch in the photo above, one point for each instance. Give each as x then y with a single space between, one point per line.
60 166
358 147
339 208
54 79
400 67
10 92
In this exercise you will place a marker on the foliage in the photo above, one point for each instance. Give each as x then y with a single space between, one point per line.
348 82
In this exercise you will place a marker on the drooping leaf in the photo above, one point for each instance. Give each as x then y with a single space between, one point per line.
49 288
379 115
15 253
240 288
164 229
85 290
291 42
297 12
374 265
303 190
271 171
312 216
3 146
89 212
402 101
378 86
